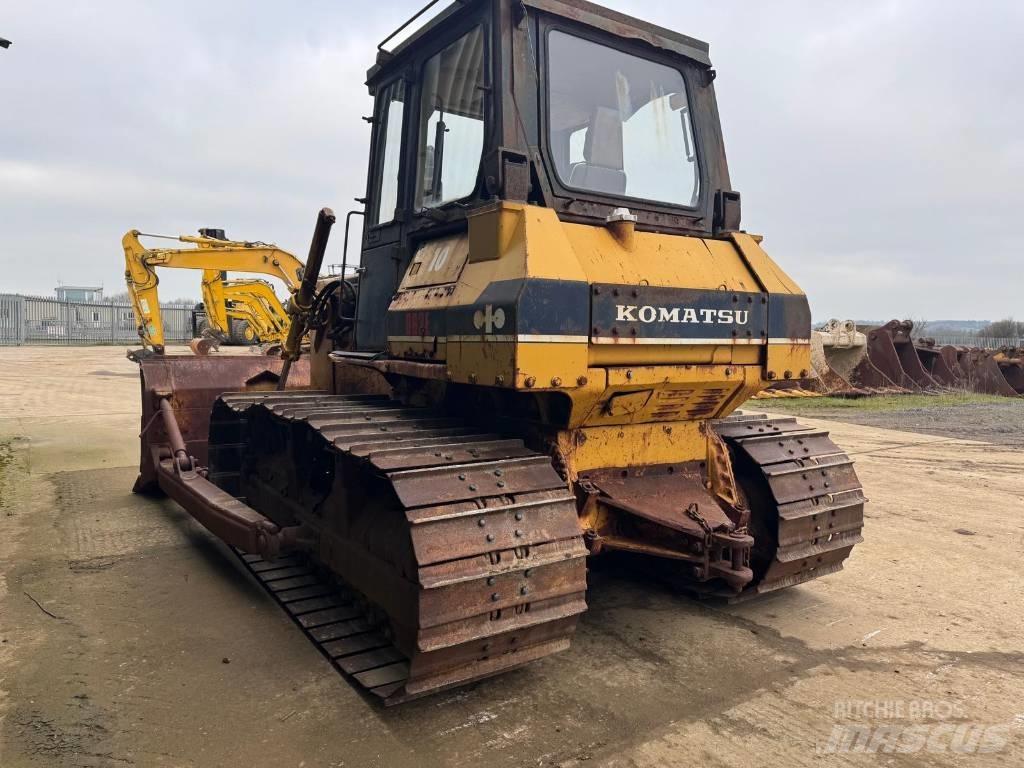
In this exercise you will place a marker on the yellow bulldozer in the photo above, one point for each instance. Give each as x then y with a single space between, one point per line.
249 302
556 318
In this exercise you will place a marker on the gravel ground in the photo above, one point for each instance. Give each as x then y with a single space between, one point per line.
1000 423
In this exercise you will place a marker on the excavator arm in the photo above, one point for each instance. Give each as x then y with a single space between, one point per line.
263 310
252 301
214 300
211 255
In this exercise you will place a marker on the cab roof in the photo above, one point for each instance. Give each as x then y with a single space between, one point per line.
581 11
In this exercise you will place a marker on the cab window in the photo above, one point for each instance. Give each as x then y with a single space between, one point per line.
393 114
620 125
451 122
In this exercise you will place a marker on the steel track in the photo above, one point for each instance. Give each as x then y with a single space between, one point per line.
474 567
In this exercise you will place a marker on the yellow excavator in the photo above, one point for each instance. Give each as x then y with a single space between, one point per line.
253 302
556 318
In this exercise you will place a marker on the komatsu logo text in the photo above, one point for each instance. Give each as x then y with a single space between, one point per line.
681 315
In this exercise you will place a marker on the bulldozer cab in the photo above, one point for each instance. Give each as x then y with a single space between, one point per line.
558 103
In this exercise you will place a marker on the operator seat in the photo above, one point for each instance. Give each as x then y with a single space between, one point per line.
602 169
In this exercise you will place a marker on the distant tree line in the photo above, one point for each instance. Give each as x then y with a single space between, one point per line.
1002 329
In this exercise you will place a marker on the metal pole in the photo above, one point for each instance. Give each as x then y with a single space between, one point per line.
302 300
22 320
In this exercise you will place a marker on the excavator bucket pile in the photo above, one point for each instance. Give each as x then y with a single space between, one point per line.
891 350
850 364
993 372
922 365
889 360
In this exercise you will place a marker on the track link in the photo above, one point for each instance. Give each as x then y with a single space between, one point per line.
335 619
807 478
447 555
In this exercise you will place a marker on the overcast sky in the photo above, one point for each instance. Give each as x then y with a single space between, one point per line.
878 144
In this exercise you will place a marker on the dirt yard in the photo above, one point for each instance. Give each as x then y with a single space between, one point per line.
130 637
983 418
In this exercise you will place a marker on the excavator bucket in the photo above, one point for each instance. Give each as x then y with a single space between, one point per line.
192 385
1011 363
941 366
836 353
891 352
848 363
901 333
993 373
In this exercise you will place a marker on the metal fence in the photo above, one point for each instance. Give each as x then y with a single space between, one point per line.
36 320
976 341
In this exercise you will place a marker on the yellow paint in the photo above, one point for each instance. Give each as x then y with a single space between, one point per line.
788 361
631 404
669 261
438 262
632 445
768 272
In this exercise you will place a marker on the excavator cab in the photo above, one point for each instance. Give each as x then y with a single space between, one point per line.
556 318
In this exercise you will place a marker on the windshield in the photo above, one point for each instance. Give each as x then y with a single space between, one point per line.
620 125
452 122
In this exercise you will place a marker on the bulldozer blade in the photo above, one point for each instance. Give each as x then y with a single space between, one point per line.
192 385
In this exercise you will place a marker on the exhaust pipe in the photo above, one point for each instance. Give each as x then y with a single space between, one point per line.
302 300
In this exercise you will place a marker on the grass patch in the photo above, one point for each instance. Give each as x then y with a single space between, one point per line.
882 403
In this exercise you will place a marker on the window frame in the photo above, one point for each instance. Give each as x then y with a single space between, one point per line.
382 110
413 182
701 209
412 75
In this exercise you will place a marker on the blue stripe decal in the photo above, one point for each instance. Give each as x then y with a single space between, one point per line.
640 312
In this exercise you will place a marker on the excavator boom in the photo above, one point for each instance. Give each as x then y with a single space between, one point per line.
214 257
